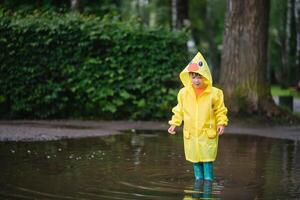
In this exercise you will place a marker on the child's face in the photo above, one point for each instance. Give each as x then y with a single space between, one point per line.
196 79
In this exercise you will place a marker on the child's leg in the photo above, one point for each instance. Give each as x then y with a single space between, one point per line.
198 170
208 171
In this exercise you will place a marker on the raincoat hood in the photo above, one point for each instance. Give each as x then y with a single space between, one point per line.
197 65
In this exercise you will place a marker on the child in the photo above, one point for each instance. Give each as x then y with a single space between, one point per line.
201 107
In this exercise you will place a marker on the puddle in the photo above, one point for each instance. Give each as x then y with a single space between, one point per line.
147 165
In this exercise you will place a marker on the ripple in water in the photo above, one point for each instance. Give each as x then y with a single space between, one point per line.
147 165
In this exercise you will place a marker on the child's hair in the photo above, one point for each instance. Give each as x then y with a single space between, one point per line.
195 74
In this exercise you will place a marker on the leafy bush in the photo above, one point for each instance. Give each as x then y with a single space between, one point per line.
75 66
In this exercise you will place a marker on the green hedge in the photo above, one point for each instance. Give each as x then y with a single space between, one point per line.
74 66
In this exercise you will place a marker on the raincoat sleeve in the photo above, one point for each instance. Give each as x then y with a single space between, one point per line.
178 112
220 110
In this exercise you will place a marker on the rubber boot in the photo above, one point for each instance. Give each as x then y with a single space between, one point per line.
208 171
198 170
198 186
207 189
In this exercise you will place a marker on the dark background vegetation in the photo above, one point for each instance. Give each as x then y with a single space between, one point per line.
114 59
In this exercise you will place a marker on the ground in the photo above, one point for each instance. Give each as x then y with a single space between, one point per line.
29 130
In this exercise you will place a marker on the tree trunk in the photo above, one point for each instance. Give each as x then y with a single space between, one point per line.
174 14
75 5
244 58
286 47
183 16
153 11
297 19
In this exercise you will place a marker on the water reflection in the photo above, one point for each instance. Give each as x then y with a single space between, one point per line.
147 165
202 190
137 142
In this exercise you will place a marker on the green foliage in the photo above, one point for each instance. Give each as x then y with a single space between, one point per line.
76 66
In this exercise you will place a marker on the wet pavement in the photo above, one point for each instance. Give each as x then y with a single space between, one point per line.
41 130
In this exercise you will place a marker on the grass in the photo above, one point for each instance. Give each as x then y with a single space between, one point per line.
278 91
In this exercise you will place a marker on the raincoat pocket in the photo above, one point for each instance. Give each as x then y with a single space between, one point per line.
210 133
186 134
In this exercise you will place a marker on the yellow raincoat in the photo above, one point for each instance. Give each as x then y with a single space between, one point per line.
201 114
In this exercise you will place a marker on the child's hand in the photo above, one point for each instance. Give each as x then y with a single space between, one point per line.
220 129
171 130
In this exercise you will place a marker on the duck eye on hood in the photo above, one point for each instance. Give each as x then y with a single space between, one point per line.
200 63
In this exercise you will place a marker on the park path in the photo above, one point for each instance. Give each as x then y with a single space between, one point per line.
44 130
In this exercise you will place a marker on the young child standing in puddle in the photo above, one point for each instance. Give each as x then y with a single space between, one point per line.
201 107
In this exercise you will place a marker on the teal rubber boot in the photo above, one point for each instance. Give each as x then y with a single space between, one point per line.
208 171
198 170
